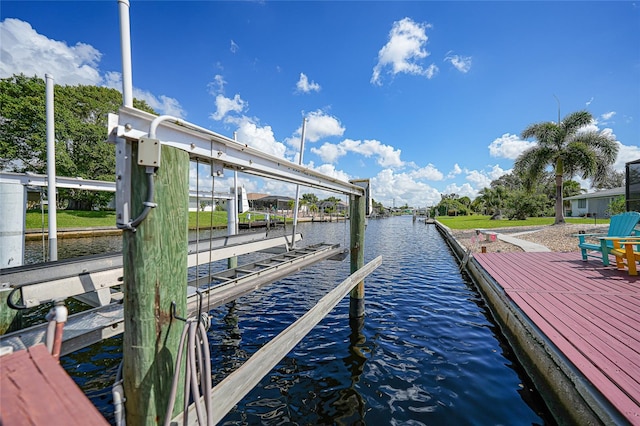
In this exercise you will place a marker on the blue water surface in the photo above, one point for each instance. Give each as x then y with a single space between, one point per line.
426 352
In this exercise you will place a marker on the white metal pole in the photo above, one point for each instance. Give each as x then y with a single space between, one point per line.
235 193
51 170
125 47
296 201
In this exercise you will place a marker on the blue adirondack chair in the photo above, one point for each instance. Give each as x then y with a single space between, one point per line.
621 225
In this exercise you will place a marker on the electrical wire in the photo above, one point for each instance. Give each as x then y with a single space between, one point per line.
198 373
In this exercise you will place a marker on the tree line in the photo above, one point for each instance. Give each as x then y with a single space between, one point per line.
542 175
80 116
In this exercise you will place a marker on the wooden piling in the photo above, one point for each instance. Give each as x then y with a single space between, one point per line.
357 210
155 274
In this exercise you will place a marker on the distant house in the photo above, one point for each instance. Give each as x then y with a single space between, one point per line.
268 202
595 203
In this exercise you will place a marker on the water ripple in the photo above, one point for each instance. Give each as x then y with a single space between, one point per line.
427 351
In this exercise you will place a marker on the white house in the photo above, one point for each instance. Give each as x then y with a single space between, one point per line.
594 203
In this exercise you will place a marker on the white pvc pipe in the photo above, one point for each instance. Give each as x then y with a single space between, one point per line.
297 201
51 170
235 194
12 225
125 48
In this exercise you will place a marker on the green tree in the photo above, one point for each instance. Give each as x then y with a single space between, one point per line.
568 151
80 114
522 204
310 198
610 179
617 206
494 200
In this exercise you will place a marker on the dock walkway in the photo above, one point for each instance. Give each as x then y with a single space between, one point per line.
589 313
35 390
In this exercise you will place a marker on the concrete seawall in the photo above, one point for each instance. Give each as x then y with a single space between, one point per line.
569 397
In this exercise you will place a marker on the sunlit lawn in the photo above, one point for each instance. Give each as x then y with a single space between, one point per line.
484 222
90 219
71 219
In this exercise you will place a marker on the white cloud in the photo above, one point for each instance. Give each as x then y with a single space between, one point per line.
331 171
258 137
429 172
465 190
234 47
225 105
25 51
626 153
217 85
386 155
454 172
608 115
320 125
589 101
403 51
509 146
329 152
162 104
431 71
461 63
390 188
303 85
480 179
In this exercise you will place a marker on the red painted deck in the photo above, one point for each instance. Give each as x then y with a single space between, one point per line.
35 390
589 311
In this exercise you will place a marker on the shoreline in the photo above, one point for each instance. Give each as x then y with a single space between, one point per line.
104 231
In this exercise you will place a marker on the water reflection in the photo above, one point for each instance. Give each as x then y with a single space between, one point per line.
427 351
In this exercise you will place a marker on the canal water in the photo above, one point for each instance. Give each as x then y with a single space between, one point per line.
427 351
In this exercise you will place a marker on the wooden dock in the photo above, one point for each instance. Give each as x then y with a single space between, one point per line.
588 313
35 390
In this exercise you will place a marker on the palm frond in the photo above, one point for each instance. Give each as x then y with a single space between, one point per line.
604 144
545 133
580 158
531 164
576 120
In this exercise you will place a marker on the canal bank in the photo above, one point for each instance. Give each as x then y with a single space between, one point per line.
103 231
570 395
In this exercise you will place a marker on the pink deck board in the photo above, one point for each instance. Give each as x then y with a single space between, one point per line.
589 311
35 390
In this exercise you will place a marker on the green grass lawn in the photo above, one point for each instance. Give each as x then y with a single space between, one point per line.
483 222
71 219
94 219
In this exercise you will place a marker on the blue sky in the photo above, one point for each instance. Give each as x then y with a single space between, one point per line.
424 98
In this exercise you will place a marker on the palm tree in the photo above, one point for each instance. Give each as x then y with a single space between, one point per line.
569 150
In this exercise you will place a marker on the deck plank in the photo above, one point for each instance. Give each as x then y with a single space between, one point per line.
35 390
590 312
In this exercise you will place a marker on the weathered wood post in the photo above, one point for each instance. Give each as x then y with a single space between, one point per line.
357 212
155 274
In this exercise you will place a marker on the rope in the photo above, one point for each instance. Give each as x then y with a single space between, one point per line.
198 366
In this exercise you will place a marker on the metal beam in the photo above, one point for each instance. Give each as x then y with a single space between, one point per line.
78 276
32 179
133 124
92 326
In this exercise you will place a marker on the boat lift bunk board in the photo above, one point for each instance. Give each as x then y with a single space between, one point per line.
88 327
